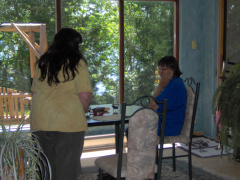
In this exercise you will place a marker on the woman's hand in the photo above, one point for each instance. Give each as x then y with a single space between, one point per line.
165 79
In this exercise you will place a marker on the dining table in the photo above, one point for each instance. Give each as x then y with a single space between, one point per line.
110 117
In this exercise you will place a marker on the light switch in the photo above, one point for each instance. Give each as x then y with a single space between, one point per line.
194 44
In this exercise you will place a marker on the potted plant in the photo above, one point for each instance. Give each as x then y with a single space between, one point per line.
21 156
227 98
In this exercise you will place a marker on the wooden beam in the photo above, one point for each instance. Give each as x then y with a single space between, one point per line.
43 39
121 50
35 44
32 55
176 29
221 55
25 27
58 9
10 103
27 41
1 105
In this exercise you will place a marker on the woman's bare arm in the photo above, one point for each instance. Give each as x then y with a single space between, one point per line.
86 99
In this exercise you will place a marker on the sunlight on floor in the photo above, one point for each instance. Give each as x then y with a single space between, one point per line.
97 153
170 145
25 127
93 154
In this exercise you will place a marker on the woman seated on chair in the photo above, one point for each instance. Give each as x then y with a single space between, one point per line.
172 88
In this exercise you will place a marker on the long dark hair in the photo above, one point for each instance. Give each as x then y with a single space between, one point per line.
64 54
170 62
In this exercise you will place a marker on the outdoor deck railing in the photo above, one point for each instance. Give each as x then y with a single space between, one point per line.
13 105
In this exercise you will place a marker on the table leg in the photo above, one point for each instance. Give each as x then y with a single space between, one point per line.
116 137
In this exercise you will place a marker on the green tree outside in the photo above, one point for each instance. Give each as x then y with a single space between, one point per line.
148 27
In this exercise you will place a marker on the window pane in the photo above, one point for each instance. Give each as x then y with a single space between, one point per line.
148 37
98 23
232 33
14 52
149 32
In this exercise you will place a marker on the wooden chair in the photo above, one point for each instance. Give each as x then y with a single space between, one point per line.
187 130
139 161
12 106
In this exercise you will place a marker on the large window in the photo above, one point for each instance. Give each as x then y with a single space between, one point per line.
148 36
149 33
98 23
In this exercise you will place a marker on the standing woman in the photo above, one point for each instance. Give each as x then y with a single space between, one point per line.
62 93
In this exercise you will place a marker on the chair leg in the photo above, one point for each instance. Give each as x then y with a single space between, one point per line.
159 169
156 162
190 162
159 156
100 175
173 157
221 151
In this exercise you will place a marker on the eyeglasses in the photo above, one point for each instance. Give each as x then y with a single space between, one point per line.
162 69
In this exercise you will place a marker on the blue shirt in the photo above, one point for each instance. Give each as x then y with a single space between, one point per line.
176 94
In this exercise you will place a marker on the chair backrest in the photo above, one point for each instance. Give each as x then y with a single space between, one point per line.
134 165
191 107
142 141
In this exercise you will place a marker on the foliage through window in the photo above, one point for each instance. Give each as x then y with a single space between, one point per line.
14 52
149 32
148 36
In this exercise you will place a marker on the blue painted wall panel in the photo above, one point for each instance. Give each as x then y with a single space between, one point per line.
198 22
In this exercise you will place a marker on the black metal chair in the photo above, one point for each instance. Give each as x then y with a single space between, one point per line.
142 142
186 133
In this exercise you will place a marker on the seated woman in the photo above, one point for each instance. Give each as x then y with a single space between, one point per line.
172 88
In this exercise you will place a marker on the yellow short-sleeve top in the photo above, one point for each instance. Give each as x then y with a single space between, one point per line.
57 107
